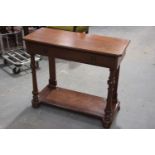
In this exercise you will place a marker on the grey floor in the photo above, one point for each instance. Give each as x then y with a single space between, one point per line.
136 87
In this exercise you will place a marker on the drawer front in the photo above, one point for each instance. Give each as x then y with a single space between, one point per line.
106 61
36 48
86 57
72 54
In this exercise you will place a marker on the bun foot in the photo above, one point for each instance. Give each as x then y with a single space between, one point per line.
107 120
106 125
35 104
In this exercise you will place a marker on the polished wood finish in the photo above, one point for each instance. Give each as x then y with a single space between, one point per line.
73 100
86 42
84 48
35 100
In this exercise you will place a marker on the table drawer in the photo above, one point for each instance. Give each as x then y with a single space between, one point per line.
105 61
73 55
33 48
85 57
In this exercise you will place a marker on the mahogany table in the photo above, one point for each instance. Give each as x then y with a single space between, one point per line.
84 48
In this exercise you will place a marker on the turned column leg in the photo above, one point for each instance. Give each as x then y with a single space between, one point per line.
107 120
35 100
115 96
52 73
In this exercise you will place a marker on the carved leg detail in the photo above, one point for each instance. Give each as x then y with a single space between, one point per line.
108 116
35 100
115 98
52 72
107 120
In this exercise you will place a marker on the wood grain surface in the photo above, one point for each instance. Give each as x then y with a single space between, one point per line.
81 41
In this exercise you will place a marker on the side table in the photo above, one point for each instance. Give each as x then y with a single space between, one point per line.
84 48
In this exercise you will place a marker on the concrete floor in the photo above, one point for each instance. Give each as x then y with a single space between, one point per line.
136 87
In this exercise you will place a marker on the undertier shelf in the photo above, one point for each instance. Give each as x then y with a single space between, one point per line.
73 100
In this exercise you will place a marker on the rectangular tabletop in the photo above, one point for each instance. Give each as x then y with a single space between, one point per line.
80 41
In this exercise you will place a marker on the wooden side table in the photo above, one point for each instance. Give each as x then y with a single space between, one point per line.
84 48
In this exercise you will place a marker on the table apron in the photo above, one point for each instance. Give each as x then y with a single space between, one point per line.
74 55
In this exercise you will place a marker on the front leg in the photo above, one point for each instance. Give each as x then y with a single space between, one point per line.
115 96
35 100
108 116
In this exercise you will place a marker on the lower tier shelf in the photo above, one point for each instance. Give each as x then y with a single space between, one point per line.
75 101
72 100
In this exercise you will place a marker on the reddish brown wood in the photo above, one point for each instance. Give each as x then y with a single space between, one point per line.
73 100
35 100
83 42
108 61
107 119
115 98
52 72
90 49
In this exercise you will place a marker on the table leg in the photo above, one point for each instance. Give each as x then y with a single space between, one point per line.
52 72
1 44
107 120
26 30
115 97
35 100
